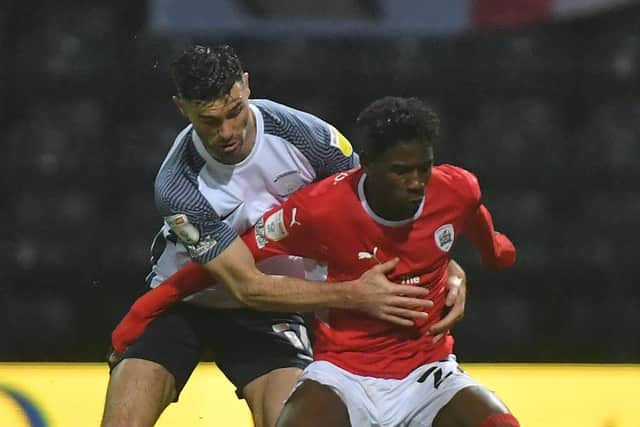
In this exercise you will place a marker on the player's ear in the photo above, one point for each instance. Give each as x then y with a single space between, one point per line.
180 104
245 83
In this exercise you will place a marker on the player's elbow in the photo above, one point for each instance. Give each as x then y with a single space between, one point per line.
503 259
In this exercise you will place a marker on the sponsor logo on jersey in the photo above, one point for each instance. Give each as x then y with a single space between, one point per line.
339 141
293 218
413 280
444 237
288 182
369 255
202 247
229 215
274 228
180 225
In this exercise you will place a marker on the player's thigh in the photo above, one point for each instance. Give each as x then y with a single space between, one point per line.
266 395
171 342
137 393
469 407
314 405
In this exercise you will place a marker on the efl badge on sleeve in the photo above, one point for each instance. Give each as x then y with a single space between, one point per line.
202 247
274 227
339 141
444 236
181 226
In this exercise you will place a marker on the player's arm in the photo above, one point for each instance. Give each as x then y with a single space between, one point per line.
290 229
235 267
371 293
496 250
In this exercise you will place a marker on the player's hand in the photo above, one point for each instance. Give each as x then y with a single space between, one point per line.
385 300
455 299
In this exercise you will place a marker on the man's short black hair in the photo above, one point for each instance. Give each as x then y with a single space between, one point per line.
390 120
204 73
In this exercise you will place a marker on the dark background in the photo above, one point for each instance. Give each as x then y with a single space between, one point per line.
546 115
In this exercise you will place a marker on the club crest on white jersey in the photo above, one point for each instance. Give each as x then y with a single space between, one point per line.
444 237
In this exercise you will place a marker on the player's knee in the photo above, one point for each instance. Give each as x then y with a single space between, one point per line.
500 420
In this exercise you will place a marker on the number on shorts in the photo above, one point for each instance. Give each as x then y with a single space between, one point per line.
437 376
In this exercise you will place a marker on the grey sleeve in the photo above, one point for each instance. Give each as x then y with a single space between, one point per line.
327 150
192 219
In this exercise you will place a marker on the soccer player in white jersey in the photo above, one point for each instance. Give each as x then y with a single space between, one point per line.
237 159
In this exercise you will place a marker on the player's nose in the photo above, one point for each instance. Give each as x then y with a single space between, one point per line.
415 181
225 131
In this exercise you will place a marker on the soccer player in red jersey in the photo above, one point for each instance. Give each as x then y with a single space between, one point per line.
397 206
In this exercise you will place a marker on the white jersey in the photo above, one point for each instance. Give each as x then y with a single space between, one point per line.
207 204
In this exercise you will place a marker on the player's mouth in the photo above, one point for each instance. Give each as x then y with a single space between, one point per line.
231 146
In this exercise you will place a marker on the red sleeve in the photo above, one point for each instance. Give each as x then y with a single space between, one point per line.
283 230
496 250
188 280
287 229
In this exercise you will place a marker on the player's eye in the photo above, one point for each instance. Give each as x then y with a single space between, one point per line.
214 123
400 169
234 113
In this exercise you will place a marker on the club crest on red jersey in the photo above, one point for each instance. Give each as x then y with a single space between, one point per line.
444 237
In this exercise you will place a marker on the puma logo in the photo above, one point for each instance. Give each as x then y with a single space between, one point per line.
293 218
369 255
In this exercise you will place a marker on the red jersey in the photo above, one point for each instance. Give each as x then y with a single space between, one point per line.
331 222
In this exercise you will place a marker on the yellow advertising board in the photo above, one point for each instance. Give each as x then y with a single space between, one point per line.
70 395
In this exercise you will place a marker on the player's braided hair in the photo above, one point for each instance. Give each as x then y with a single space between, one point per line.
203 73
390 120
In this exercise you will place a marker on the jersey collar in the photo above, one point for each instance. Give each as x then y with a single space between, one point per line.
376 217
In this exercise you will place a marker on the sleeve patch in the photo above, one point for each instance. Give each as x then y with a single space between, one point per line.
202 247
258 229
181 226
339 141
274 226
271 229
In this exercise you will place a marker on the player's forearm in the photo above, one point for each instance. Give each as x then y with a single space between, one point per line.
283 293
496 250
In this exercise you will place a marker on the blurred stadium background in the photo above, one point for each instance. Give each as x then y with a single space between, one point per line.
540 98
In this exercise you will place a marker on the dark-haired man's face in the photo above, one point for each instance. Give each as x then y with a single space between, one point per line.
400 174
223 124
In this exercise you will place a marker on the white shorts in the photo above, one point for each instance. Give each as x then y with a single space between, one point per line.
379 402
